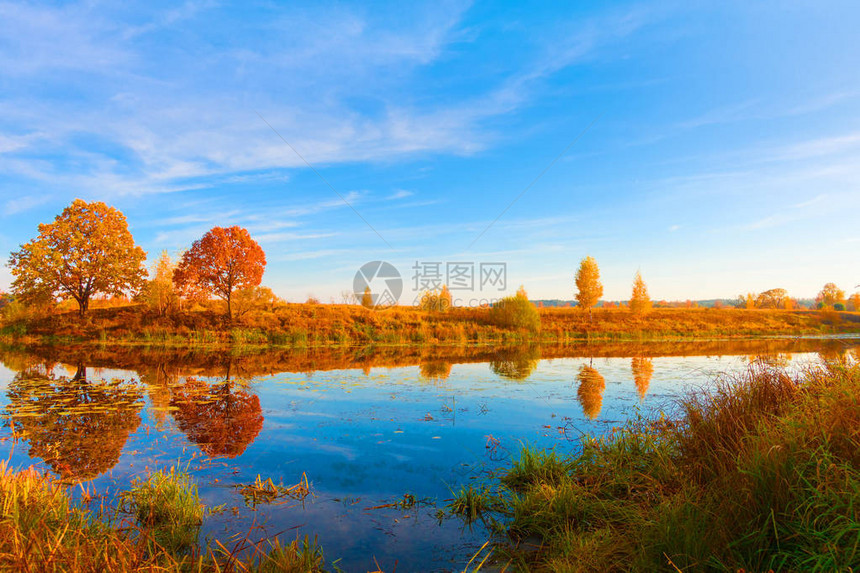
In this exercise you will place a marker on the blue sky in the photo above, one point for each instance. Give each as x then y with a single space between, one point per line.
723 154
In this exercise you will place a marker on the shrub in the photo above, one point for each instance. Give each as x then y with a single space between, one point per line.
515 312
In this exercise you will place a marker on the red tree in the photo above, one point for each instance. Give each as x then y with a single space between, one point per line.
220 262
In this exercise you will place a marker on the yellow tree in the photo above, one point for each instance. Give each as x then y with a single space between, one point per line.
830 295
86 250
159 293
367 298
588 285
640 302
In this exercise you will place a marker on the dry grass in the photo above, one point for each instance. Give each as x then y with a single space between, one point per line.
307 325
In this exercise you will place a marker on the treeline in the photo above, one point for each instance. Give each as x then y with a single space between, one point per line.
87 255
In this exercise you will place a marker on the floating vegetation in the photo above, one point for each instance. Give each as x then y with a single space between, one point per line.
408 501
269 492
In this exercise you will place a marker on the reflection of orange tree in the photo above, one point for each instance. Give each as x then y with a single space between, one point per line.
591 387
78 427
643 369
221 421
516 363
158 380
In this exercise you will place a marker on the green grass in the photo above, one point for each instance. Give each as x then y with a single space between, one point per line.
167 507
760 472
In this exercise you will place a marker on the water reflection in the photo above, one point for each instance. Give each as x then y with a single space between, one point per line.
643 370
434 370
516 363
590 391
76 426
220 418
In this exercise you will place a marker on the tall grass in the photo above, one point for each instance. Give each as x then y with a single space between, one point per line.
760 472
167 506
42 529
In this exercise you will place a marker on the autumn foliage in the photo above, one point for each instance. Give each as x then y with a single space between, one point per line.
588 285
640 302
222 261
88 249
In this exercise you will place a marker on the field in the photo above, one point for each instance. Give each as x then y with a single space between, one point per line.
307 325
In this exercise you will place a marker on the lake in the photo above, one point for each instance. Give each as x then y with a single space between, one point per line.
368 428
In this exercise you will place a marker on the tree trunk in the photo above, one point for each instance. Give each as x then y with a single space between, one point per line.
83 305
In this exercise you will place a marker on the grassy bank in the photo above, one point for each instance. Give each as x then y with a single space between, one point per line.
155 527
309 325
761 473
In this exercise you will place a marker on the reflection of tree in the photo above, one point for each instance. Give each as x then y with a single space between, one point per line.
78 427
221 421
773 360
591 387
517 363
158 381
643 369
435 369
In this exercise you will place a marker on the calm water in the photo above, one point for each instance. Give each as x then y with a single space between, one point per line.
365 426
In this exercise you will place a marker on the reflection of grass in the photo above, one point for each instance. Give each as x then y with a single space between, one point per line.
41 529
760 473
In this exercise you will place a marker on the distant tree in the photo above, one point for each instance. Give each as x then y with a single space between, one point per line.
588 285
220 262
854 302
830 295
749 300
254 298
436 301
159 293
367 298
640 302
773 298
86 250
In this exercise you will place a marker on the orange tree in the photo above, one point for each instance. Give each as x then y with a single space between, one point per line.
88 249
220 262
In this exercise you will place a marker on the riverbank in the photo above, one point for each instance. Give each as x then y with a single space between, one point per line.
760 473
311 325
